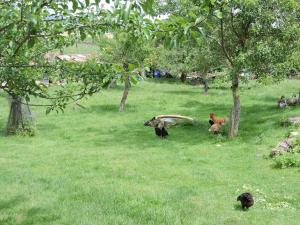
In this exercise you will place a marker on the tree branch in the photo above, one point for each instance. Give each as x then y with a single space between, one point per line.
223 41
232 25
25 66
5 27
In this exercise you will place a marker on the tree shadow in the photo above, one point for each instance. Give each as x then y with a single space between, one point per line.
32 216
7 204
189 134
199 92
108 108
47 126
164 80
39 216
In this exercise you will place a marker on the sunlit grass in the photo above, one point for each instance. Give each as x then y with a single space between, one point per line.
99 166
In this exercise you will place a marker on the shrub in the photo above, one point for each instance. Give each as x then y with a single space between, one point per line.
287 160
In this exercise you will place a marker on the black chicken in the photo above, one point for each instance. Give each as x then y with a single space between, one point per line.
161 132
246 200
159 127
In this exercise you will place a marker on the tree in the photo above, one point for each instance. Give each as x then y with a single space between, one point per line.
256 36
31 29
126 51
183 59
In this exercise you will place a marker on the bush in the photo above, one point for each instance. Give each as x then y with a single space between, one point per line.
287 160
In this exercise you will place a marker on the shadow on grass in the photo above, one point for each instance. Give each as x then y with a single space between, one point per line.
32 216
249 114
108 108
251 126
47 126
145 136
164 80
7 204
238 207
192 92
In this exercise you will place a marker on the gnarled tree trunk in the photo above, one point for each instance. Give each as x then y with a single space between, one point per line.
236 109
20 117
126 89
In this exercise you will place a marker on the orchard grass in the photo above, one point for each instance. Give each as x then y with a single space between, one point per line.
98 166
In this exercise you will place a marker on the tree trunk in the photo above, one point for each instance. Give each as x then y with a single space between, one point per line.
205 79
205 83
183 77
20 117
236 109
126 89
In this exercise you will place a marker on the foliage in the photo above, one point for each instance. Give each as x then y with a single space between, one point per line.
248 34
287 160
29 31
290 158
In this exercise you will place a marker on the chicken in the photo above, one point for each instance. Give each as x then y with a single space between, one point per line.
282 102
161 132
214 120
292 101
159 127
246 200
215 128
216 124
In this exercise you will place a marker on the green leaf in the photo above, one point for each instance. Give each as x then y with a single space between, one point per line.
127 12
31 43
82 35
218 14
116 2
131 67
75 5
33 19
133 79
187 28
48 110
27 98
11 44
147 6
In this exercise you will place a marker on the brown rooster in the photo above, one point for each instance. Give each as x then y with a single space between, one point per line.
214 120
216 123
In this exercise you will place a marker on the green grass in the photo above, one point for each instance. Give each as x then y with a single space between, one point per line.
86 47
98 166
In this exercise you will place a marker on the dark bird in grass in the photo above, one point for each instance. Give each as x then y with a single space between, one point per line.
159 127
161 132
246 200
211 122
281 102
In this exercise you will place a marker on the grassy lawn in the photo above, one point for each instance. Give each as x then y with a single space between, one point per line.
98 166
87 47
